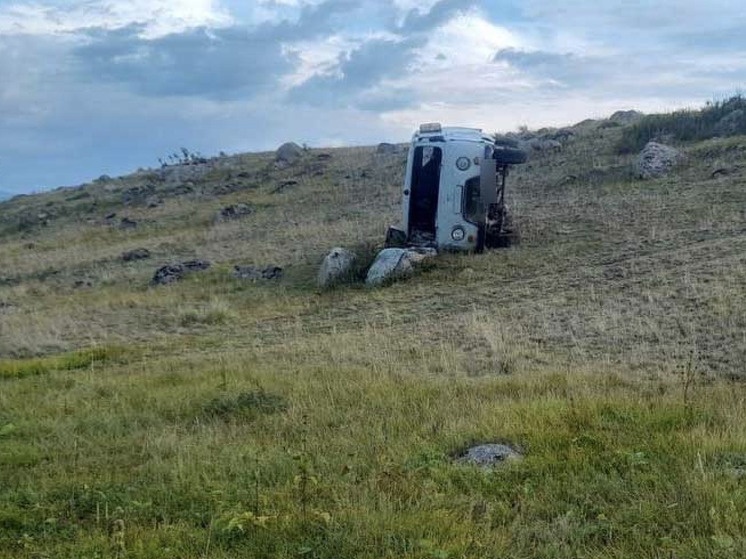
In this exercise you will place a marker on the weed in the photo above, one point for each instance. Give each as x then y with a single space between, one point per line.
247 405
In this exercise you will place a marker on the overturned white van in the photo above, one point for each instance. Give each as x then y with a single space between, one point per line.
453 196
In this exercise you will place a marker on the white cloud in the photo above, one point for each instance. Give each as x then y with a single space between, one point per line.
470 39
159 17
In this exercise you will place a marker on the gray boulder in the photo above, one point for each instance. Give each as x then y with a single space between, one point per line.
626 117
489 455
731 124
656 160
387 149
288 153
337 267
395 263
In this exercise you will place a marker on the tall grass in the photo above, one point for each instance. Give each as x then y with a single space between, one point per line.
20 368
686 125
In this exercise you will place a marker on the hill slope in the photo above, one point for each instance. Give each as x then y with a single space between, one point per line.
217 416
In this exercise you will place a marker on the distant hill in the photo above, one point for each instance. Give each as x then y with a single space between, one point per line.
6 195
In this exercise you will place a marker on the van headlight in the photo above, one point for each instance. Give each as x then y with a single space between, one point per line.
463 163
458 233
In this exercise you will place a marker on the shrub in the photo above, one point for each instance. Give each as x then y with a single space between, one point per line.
248 405
686 125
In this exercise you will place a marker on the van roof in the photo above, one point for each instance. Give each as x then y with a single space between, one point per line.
454 133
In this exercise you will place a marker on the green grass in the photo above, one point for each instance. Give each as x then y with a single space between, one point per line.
216 418
80 359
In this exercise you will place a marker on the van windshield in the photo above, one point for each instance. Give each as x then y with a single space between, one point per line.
423 203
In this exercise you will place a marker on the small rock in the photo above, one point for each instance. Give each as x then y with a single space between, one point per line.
110 216
253 273
175 272
79 284
385 148
489 455
136 254
127 223
234 211
323 156
656 160
288 154
337 267
153 202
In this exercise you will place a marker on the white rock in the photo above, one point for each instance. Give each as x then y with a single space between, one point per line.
336 267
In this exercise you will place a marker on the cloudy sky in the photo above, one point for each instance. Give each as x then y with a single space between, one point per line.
104 86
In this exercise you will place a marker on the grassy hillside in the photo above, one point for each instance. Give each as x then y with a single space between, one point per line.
217 417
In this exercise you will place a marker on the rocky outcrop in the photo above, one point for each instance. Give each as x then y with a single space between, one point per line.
395 263
337 267
656 160
175 272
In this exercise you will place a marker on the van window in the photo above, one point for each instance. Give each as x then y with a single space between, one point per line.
474 210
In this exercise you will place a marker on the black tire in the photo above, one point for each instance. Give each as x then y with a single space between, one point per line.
505 141
510 156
